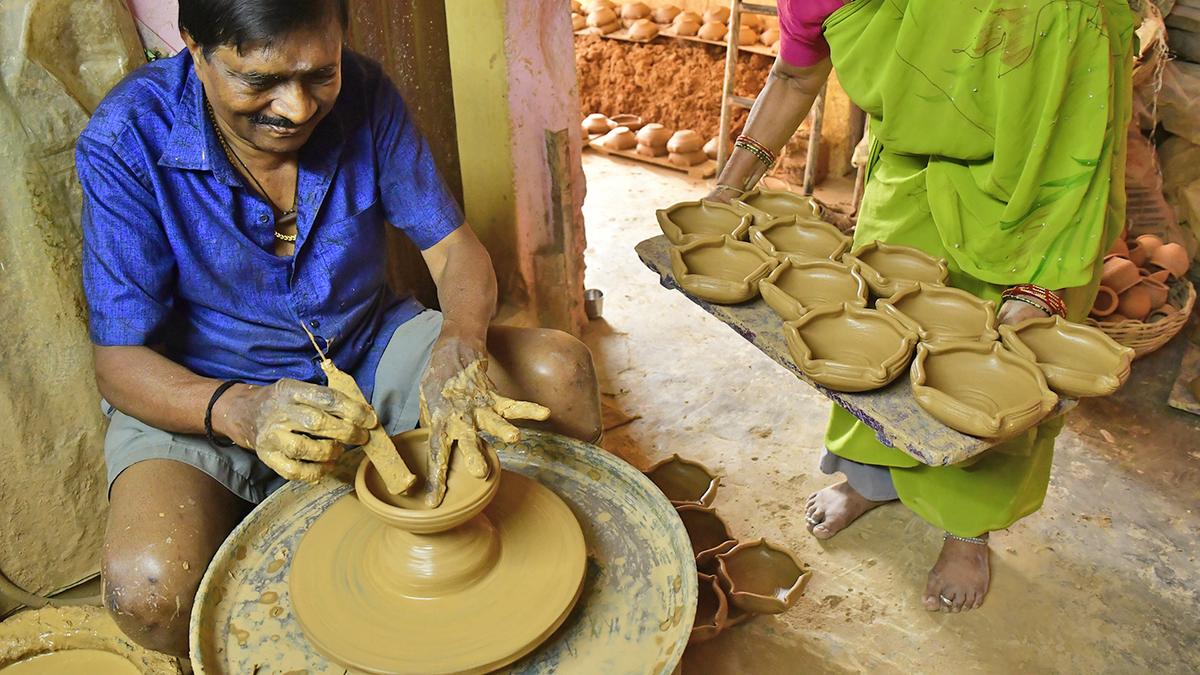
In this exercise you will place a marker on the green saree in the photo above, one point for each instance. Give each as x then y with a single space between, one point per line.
999 144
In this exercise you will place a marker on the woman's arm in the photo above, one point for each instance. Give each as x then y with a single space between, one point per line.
781 106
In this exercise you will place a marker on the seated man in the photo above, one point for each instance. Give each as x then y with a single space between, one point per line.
235 197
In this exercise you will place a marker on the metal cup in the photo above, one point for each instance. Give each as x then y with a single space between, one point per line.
593 303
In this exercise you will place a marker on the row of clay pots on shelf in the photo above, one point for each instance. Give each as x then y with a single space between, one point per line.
683 148
1135 282
737 580
644 23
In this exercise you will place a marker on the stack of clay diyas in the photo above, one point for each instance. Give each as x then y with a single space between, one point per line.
736 580
710 257
600 16
615 133
1136 282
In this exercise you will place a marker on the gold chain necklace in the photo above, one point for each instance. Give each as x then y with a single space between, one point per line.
229 153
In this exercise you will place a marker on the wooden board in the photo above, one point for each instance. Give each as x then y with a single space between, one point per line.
1189 369
892 411
622 34
705 169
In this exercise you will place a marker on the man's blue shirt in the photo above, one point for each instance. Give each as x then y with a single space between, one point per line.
178 249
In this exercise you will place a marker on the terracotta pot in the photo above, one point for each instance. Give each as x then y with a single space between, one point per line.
687 159
1138 255
712 609
1119 274
643 30
717 14
1149 243
1172 258
578 22
635 10
632 122
848 348
708 534
1120 248
761 577
1161 276
769 36
1106 302
602 16
596 124
685 140
655 135
620 138
1135 303
713 30
686 27
687 16
711 147
684 481
650 150
686 222
665 14
1157 289
746 35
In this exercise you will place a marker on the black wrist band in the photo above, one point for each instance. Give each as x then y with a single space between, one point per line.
208 430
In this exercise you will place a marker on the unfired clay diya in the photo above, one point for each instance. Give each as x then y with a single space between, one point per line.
720 269
707 531
746 35
712 30
684 481
796 287
634 11
719 14
665 14
629 121
980 389
604 20
686 222
643 30
889 269
942 313
792 238
685 25
1077 360
620 138
578 22
761 577
848 348
380 583
767 205
712 609
596 124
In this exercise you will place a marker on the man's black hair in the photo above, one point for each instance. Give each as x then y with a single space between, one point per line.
241 23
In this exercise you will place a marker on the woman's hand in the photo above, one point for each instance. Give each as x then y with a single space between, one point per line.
1013 312
723 194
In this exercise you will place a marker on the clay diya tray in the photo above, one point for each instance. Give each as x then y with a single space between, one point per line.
766 205
796 287
686 222
634 613
890 269
67 640
705 169
849 348
892 412
791 238
980 388
938 313
1077 360
721 270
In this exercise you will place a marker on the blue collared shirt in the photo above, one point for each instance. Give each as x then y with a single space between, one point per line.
178 250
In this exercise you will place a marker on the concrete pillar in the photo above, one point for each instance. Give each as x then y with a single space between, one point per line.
517 114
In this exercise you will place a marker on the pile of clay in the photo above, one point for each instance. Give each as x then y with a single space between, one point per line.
683 148
383 583
737 580
643 23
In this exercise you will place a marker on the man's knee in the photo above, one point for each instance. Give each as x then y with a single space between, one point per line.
150 597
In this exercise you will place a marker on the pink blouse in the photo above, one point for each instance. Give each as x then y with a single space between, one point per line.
801 42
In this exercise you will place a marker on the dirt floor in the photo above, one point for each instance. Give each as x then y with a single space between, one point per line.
1104 579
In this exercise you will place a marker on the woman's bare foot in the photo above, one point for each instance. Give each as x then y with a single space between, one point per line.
829 511
959 580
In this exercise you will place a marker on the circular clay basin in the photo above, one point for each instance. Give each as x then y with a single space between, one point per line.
684 481
712 609
980 389
848 348
76 639
799 240
707 532
889 269
686 222
721 270
942 313
1077 360
796 287
762 578
767 205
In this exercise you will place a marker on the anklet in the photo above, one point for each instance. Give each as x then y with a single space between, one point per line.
969 540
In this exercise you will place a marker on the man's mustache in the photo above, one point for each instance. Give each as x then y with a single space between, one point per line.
268 121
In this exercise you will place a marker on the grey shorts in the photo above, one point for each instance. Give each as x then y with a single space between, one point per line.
396 400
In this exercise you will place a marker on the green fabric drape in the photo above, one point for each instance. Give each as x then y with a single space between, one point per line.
999 144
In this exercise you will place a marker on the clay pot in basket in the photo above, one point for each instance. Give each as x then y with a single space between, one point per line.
1157 289
1119 248
1119 274
1106 302
1136 303
1173 258
1137 254
1149 244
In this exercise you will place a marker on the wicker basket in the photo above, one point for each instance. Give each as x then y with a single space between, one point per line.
1144 338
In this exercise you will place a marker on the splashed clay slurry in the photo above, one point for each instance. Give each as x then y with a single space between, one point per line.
384 584
721 270
794 288
90 661
1077 360
762 578
708 533
889 269
980 389
767 205
56 640
684 481
942 313
848 348
791 238
712 609
686 222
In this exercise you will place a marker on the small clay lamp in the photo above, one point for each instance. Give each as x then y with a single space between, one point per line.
620 138
604 20
665 14
746 35
597 124
889 269
721 270
631 122
848 348
684 481
790 238
942 313
1173 258
980 388
634 11
761 577
1105 303
1135 303
708 533
719 14
794 287
654 135
685 140
643 30
1119 274
1156 289
713 31
712 609
686 222
767 205
1077 360
685 26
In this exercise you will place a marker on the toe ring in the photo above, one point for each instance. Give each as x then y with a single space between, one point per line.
946 601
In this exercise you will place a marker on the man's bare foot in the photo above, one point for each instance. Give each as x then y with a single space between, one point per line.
959 581
829 511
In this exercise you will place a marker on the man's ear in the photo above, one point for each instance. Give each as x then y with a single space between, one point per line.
190 44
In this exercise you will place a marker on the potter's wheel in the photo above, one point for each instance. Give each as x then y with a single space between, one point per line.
634 613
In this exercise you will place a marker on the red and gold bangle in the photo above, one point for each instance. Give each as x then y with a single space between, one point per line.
762 152
1044 299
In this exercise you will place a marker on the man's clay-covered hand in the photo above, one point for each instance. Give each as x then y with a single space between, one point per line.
458 402
300 430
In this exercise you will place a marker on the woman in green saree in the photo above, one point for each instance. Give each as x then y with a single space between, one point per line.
998 143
